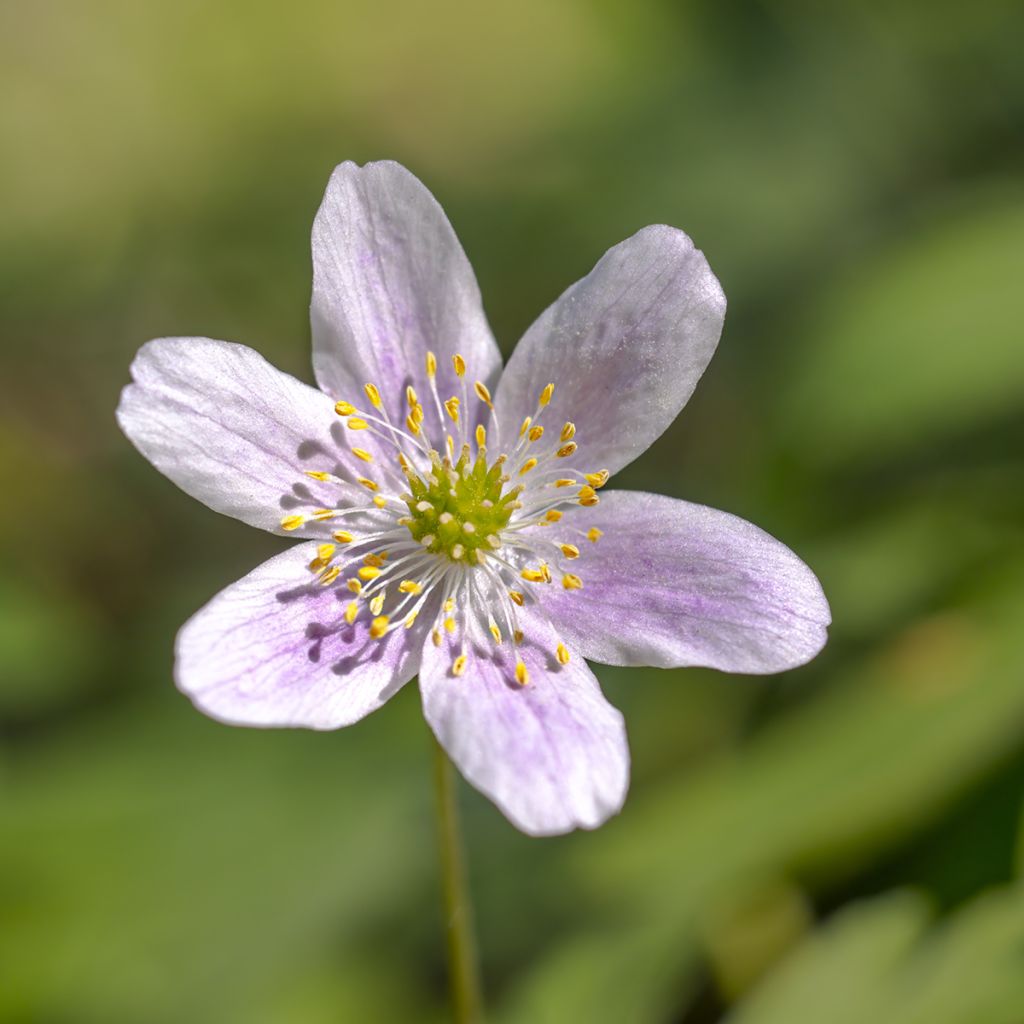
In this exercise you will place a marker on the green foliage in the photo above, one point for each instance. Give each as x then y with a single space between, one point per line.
842 844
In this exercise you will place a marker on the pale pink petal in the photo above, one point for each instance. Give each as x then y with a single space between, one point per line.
551 754
672 584
624 347
231 430
274 649
390 282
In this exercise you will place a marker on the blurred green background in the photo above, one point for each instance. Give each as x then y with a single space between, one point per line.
838 845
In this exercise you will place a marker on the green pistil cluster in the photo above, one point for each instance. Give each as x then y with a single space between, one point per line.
460 510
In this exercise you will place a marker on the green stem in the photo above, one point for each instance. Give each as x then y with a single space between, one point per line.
464 978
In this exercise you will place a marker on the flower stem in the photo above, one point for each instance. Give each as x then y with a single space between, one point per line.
463 972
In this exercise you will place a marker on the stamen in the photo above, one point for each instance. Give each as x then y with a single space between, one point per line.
344 408
368 572
481 437
562 654
594 534
536 433
552 515
330 576
588 496
526 425
342 536
431 365
362 453
373 395
482 393
325 552
566 450
598 479
572 582
292 522
368 484
351 612
527 466
410 587
379 626
459 665
517 597
568 431
570 550
545 395
533 575
377 602
357 423
522 674
460 365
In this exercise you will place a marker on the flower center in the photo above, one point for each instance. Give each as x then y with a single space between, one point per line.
460 510
458 535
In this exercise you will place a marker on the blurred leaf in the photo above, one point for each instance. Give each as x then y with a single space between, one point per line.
922 340
878 962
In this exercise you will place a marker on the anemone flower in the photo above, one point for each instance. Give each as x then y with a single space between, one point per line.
451 513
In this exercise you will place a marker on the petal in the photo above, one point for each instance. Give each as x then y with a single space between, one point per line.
551 754
230 429
273 649
624 347
672 584
390 282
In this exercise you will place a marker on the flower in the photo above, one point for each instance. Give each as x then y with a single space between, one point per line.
455 526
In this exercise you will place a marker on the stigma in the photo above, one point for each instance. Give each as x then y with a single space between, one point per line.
429 526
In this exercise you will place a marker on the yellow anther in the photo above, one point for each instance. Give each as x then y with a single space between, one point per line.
411 397
317 565
562 654
594 534
533 576
517 636
417 413
354 585
495 632
431 365
325 513
292 522
460 364
570 550
552 515
410 619
379 626
368 572
404 463
545 395
566 450
527 466
588 496
459 665
351 611
373 395
449 605
526 425
325 552
522 674
344 408
536 433
571 582
357 423
343 536
598 479
412 424
547 572
372 559
516 597
568 431
436 637
565 483
362 453
377 602
379 501
368 484
449 624
481 436
410 587
482 392
316 474
330 576
452 408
